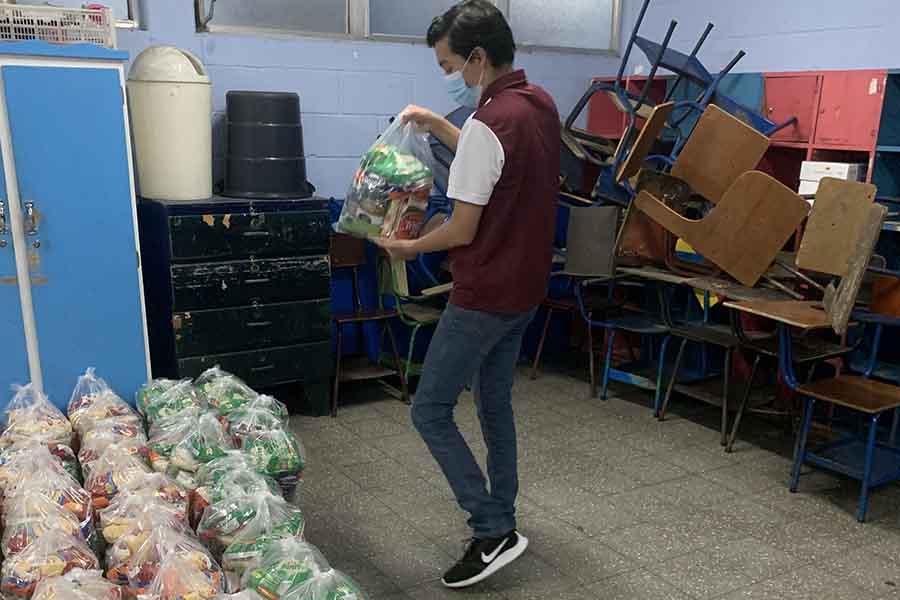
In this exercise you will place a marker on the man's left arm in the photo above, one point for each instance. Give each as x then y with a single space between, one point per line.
459 230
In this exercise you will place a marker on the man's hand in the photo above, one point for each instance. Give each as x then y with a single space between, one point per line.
420 117
398 249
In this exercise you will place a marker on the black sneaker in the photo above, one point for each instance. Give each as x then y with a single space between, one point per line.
483 558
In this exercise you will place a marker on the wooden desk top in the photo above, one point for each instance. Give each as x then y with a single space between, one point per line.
655 274
797 313
714 285
858 393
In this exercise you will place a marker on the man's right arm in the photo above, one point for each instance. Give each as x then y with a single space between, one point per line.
445 131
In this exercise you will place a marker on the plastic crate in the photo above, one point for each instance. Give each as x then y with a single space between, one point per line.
57 25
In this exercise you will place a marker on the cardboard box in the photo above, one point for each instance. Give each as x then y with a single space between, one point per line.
808 188
815 170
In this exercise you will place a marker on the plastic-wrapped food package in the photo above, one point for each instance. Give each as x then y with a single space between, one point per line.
232 484
25 458
233 460
128 436
93 400
114 470
278 454
171 565
272 405
150 393
53 554
31 417
34 517
77 584
245 422
128 542
329 585
161 488
127 509
224 391
177 398
244 595
389 192
283 567
180 444
241 528
58 487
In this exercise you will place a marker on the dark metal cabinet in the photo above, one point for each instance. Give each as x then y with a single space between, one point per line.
240 284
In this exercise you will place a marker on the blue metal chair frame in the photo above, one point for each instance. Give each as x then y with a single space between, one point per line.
871 365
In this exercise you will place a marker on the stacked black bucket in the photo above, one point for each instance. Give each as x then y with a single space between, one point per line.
265 147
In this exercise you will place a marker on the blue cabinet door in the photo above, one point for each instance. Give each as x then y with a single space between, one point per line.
69 143
13 354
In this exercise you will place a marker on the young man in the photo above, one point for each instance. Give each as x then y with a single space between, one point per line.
504 181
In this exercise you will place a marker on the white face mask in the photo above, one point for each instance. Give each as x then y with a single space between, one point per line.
461 92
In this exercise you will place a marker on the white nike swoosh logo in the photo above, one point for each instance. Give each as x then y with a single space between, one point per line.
489 558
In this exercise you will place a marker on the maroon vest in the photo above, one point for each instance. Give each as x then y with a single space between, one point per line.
506 268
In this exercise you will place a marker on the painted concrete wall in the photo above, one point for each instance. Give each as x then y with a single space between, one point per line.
348 89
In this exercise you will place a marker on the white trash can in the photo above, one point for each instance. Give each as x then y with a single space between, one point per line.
170 100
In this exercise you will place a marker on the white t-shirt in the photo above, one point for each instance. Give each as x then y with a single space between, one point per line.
478 164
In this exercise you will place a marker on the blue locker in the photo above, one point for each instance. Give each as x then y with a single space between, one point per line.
66 125
14 357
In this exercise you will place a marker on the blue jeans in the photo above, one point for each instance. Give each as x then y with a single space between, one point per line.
479 348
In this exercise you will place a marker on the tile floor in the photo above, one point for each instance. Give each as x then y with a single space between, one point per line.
616 505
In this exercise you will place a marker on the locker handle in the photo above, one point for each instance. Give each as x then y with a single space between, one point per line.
2 219
260 280
260 324
31 218
257 234
262 369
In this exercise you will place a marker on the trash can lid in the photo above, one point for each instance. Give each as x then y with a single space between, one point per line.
167 64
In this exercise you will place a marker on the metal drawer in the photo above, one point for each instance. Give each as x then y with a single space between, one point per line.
241 283
236 235
248 327
265 368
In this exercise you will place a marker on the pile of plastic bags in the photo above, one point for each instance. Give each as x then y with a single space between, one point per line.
183 499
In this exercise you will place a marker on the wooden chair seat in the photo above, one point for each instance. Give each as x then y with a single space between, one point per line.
364 316
706 333
422 313
860 394
804 350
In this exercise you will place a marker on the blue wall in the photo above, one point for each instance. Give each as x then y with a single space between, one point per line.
348 89
779 35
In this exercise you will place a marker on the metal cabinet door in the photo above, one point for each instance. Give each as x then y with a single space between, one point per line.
71 157
792 96
850 110
13 354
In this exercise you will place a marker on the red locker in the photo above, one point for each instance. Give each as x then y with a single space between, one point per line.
792 96
850 108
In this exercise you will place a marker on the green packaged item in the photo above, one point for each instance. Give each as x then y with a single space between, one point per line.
284 566
180 397
150 393
245 422
395 170
329 585
278 454
225 392
181 443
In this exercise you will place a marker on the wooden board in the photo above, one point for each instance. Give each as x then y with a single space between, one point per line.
858 393
796 313
840 301
836 220
643 112
720 150
590 246
645 141
743 233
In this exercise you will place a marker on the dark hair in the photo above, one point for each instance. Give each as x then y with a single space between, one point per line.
475 24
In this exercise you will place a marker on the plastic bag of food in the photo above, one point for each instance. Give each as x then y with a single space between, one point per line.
127 509
232 484
93 400
278 454
177 398
241 528
54 485
245 422
394 175
328 585
21 460
232 460
77 584
150 393
245 595
283 567
53 554
130 540
31 417
161 488
180 444
224 391
171 565
115 469
272 405
128 436
33 517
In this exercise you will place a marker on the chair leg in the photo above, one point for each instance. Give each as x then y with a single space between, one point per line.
540 349
867 472
743 407
409 353
657 393
678 358
337 372
725 376
607 365
404 386
800 449
894 424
